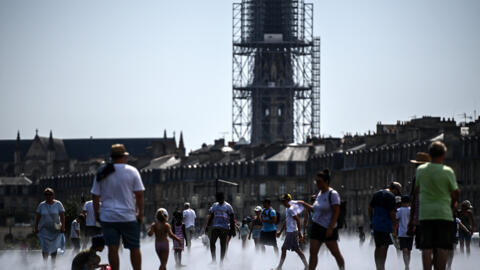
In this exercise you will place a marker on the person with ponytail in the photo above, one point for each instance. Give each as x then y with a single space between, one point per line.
326 210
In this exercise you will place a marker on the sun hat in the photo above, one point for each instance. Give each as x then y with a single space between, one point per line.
421 158
467 204
258 208
118 150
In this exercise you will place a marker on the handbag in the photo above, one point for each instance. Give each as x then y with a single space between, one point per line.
56 226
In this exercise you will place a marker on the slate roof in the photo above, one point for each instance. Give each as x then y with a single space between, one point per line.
294 153
163 162
84 149
358 147
7 149
15 181
41 149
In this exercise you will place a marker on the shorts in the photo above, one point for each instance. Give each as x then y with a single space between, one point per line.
418 236
437 234
320 233
217 232
291 241
256 233
190 231
382 238
91 231
129 231
406 242
463 235
268 238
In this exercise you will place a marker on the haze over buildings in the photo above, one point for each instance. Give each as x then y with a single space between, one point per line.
72 67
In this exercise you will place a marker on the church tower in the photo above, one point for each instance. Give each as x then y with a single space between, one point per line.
181 146
50 155
276 72
18 156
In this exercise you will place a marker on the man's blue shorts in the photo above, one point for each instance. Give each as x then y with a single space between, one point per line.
130 232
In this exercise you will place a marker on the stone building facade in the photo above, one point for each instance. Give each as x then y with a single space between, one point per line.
360 165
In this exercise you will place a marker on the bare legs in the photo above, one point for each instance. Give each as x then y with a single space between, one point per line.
178 257
163 255
275 249
284 255
113 257
466 243
436 258
332 246
136 258
222 234
380 257
450 255
45 257
406 258
258 246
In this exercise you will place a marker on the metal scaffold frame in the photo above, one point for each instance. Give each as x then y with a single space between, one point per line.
303 51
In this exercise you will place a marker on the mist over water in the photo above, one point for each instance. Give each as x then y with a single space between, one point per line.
358 257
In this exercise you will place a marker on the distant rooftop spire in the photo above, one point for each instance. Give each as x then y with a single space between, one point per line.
165 133
18 140
180 143
50 142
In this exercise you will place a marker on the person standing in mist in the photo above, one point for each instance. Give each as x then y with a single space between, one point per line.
120 189
438 194
189 220
221 213
50 225
383 220
268 235
293 232
325 212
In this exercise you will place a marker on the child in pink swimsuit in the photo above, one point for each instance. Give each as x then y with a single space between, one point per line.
162 230
179 231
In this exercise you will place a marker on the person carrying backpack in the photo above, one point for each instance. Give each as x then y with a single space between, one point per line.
268 235
326 210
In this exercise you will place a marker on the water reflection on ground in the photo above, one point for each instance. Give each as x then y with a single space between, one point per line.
358 257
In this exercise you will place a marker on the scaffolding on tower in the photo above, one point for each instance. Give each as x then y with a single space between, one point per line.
275 72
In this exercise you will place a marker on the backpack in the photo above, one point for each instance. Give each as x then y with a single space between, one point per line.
270 216
343 211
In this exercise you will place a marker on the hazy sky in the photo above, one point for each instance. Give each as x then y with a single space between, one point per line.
134 68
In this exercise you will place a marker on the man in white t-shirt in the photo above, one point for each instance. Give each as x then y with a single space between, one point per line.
91 228
293 232
189 220
119 188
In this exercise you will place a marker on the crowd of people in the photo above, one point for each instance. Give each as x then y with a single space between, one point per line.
428 216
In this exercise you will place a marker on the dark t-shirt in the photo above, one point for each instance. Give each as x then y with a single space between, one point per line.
83 259
383 203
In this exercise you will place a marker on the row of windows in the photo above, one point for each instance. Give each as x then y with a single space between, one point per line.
263 169
281 169
253 189
14 190
382 157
